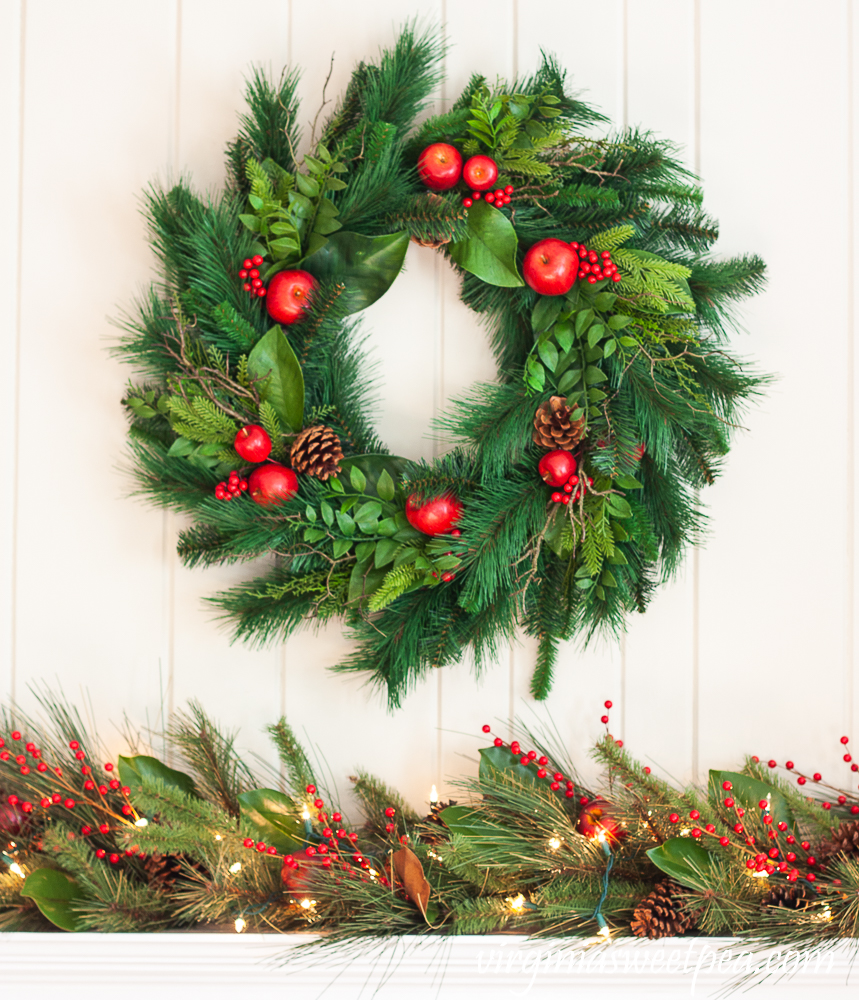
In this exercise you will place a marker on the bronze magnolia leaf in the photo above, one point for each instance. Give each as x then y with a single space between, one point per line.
410 872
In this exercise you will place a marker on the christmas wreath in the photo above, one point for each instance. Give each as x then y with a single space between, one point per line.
571 485
91 843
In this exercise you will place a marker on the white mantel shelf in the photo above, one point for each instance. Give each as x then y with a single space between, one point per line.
263 966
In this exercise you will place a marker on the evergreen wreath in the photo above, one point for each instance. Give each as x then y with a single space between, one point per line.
89 842
588 259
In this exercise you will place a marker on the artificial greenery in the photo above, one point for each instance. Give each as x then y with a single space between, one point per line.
641 361
140 845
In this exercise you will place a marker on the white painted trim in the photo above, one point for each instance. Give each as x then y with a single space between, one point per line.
265 966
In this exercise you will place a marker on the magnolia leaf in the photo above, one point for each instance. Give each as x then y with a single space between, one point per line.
489 250
274 816
135 771
274 362
53 892
410 872
683 859
748 792
366 265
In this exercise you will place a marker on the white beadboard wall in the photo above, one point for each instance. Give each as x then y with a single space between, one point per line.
752 650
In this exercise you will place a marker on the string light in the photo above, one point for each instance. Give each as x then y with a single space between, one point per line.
240 925
218 837
307 904
236 868
433 796
305 813
143 821
554 843
604 933
517 903
16 869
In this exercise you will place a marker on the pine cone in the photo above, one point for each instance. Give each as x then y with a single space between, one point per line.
164 870
554 426
660 915
787 897
433 818
437 239
844 840
317 452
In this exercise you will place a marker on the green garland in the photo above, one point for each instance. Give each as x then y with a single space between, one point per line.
635 359
136 845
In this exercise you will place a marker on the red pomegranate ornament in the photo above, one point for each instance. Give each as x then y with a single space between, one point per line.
253 443
12 818
289 296
556 467
596 822
272 483
551 267
439 166
434 517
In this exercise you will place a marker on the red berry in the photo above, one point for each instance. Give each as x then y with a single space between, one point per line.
318 803
847 758
108 767
727 786
475 195
247 263
541 773
763 804
800 780
615 277
447 577
607 704
724 841
261 293
389 812
100 853
256 260
498 741
789 765
844 739
673 818
603 718
508 189
555 786
467 202
694 814
490 198
817 776
243 274
247 287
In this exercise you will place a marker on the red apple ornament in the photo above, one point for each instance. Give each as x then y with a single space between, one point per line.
480 172
551 267
439 166
272 483
289 295
556 467
595 819
253 443
434 517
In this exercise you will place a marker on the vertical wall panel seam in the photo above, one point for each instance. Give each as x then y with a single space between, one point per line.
19 284
511 709
438 398
850 512
696 554
625 118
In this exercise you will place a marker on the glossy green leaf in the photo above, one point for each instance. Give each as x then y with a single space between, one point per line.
548 355
546 311
385 486
371 467
274 361
489 250
53 892
357 479
683 858
134 771
619 322
366 265
594 375
618 507
584 318
275 817
628 482
564 334
307 185
748 792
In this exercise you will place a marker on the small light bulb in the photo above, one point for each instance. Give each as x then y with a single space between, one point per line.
554 843
305 813
218 837
16 869
433 796
143 821
240 925
517 903
684 832
307 903
760 874
604 933
235 868
601 837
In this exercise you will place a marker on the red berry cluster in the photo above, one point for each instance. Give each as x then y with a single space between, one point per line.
249 273
233 487
571 484
556 779
593 266
502 196
817 777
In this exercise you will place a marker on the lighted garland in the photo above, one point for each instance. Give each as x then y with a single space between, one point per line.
571 486
134 845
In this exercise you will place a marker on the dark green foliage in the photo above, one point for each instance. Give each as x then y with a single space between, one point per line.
641 361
